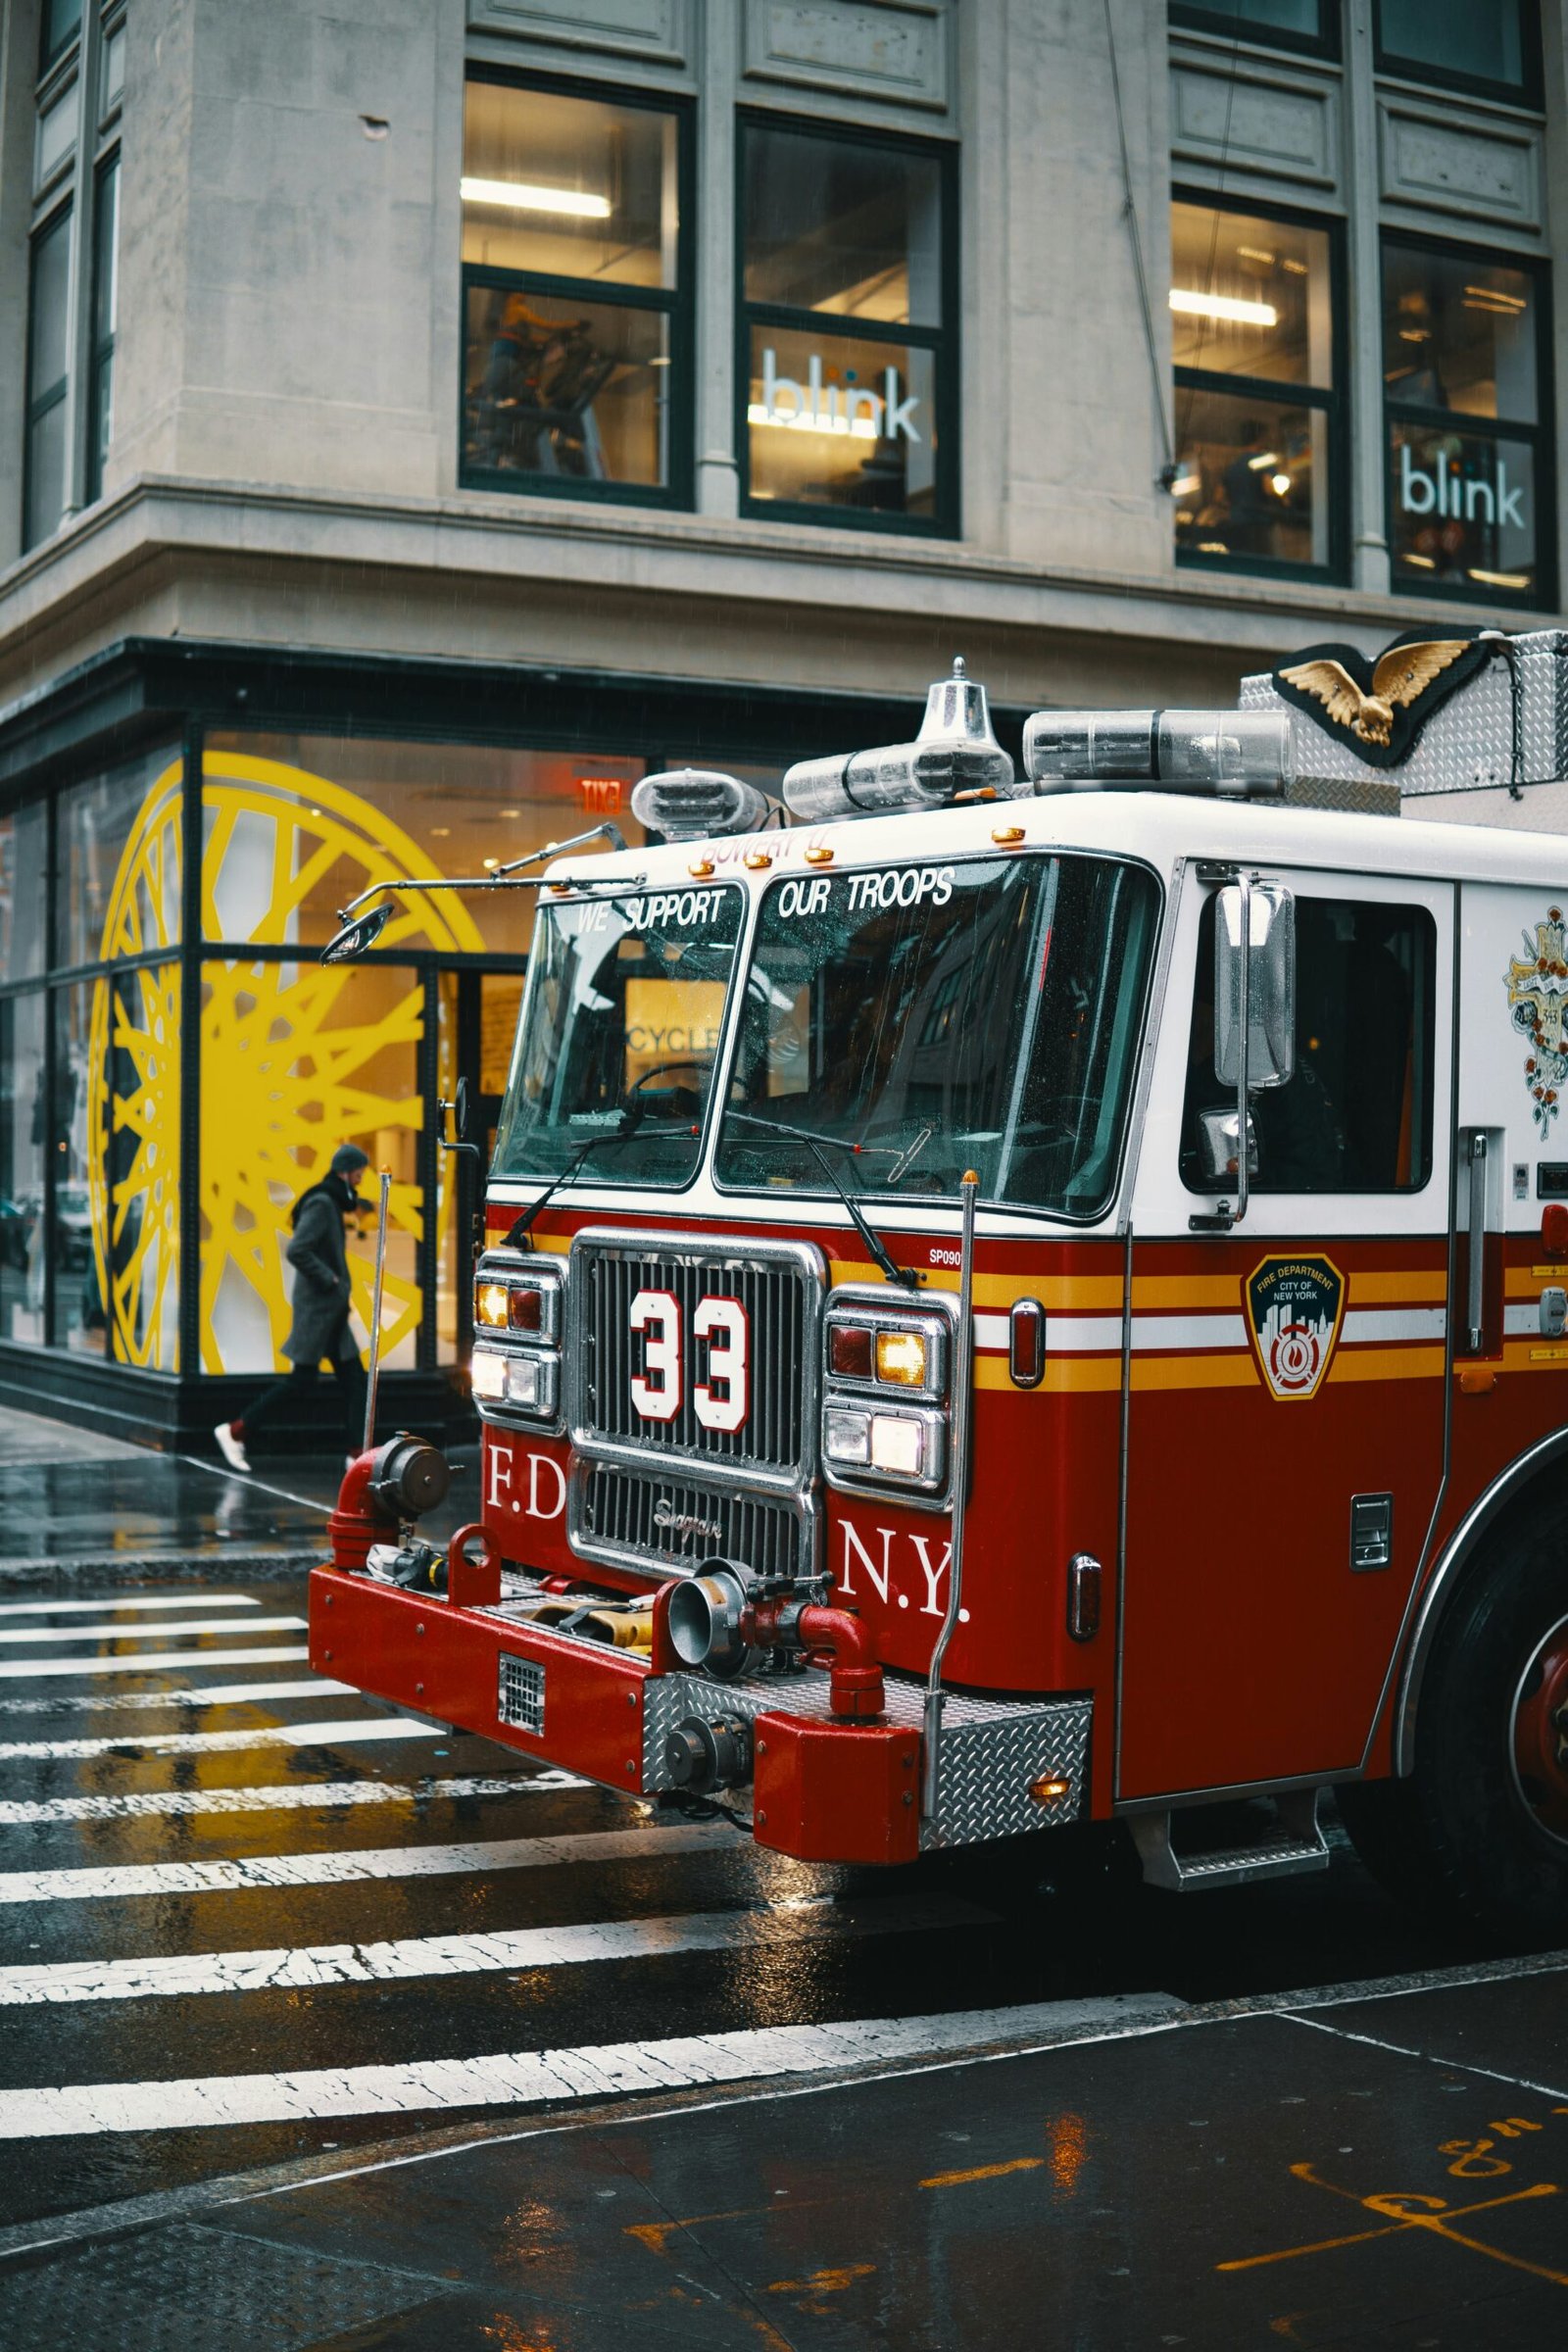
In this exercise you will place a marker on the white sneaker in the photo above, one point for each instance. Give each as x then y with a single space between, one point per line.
229 1446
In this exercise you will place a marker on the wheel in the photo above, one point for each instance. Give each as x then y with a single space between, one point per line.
1481 1826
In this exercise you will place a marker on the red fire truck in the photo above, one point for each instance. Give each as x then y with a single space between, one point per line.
1014 1301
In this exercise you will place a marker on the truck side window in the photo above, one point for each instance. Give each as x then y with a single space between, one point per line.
1357 1116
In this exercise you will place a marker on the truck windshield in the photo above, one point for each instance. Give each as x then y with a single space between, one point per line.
621 1024
925 1019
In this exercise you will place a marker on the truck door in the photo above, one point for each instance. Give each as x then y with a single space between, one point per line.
1288 1377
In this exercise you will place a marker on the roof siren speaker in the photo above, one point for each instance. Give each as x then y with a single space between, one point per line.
694 803
953 756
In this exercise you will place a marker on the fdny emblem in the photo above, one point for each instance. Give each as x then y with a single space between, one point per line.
1537 998
1295 1307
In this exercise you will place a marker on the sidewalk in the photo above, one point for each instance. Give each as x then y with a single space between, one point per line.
73 1503
1355 2166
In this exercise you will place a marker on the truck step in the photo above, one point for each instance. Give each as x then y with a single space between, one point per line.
1290 1844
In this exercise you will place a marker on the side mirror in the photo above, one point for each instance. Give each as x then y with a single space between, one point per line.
459 1110
354 938
1270 987
1219 1158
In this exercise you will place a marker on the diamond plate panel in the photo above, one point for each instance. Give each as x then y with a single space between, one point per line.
1466 746
189 2288
992 1748
985 1771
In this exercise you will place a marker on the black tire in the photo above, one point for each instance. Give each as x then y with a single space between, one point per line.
1471 1832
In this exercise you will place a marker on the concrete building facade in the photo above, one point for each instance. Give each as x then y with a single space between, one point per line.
419 417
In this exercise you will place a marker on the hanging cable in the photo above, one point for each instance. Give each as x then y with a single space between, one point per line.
1167 472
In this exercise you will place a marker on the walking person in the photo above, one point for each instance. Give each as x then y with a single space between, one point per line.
318 1253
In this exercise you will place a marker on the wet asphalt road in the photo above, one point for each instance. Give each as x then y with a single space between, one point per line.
185 1770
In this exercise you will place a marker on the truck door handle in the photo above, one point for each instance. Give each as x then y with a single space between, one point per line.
1477 1239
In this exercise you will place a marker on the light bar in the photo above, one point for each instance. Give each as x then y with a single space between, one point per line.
956 754
694 803
1230 755
524 196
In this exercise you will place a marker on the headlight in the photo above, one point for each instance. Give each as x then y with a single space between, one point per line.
516 1323
878 1349
488 1374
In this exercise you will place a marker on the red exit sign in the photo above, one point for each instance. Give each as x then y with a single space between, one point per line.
601 796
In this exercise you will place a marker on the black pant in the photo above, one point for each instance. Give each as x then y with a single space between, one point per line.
295 1389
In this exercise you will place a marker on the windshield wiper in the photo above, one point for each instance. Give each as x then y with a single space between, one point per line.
777 1128
631 1121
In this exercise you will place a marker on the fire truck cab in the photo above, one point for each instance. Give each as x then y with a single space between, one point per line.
1012 1302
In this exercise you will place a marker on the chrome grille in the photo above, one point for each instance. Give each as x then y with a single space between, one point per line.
779 1286
643 1518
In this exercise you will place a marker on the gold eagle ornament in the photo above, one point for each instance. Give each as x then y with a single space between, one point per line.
1400 677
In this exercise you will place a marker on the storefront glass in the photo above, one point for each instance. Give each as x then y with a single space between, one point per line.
24 901
120 863
1465 400
575 347
296 1060
844 295
24 1132
1252 325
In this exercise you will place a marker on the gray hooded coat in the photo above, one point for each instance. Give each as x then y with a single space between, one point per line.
320 1258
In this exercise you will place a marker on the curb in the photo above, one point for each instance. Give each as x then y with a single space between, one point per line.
132 1566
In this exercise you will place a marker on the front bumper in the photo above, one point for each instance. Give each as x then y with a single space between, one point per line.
825 1790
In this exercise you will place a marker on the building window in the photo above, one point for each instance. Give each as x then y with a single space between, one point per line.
59 24
576 372
847 361
1490 51
1312 26
48 339
1258 433
105 306
1464 357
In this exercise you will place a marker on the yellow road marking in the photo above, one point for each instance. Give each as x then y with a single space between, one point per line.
1395 2204
983 2172
823 2282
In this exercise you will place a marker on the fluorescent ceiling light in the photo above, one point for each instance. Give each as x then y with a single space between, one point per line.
1514 302
522 196
1270 457
1193 305
1188 483
1500 579
1425 561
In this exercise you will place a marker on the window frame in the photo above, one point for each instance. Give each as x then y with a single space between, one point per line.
677 303
1540 436
940 341
1189 16
1373 890
1333 403
101 348
1527 92
36 407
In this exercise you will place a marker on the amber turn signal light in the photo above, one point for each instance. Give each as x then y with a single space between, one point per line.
492 1305
1050 1791
901 1358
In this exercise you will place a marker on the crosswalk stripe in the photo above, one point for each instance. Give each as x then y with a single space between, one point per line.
603 2070
207 1694
594 1846
118 1600
287 1797
15 1670
333 1734
162 1974
151 1633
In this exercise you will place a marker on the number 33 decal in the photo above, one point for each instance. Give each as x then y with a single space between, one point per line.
720 1401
